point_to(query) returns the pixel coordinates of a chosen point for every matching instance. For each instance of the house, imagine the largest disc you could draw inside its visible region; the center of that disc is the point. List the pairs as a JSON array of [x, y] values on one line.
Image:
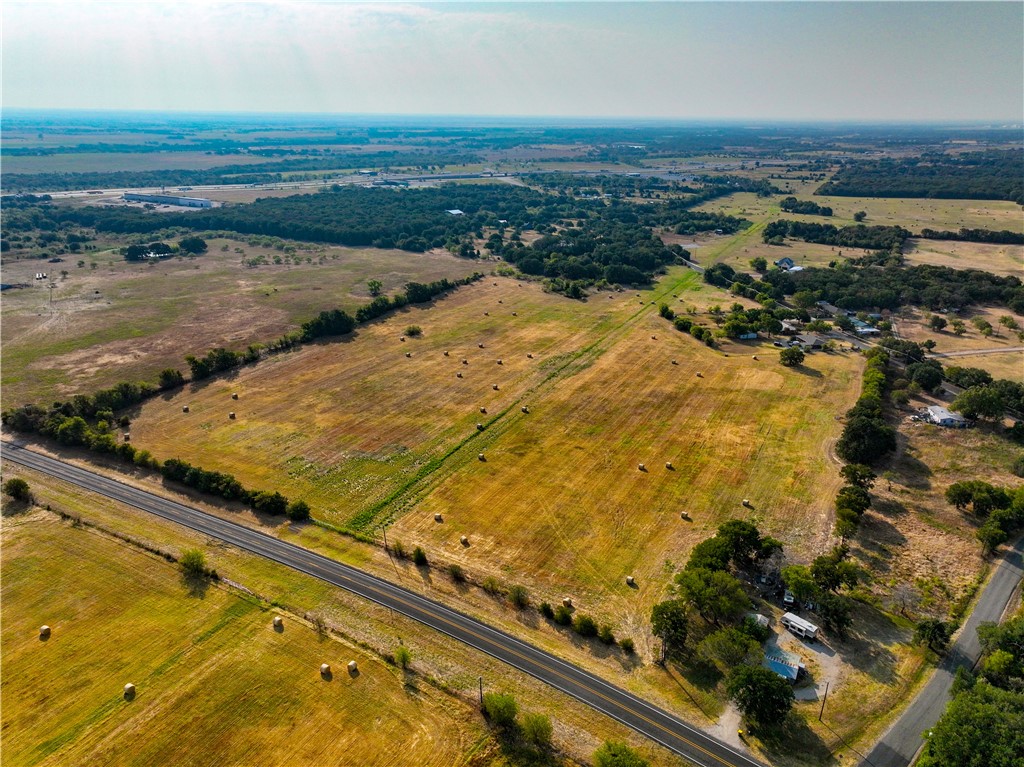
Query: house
[[455, 212], [791, 327], [785, 664], [867, 330], [808, 341], [799, 626], [785, 263], [943, 417], [831, 310]]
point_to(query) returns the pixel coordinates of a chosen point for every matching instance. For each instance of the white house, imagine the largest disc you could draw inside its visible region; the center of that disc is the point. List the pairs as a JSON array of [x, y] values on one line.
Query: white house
[[943, 417]]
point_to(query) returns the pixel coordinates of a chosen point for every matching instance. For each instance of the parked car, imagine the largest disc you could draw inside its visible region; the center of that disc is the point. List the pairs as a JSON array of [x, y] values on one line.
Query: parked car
[[788, 598]]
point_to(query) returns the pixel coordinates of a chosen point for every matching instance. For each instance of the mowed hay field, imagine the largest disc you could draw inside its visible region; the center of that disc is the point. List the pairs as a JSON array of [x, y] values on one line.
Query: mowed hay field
[[126, 321], [216, 685], [345, 423], [998, 259], [561, 504]]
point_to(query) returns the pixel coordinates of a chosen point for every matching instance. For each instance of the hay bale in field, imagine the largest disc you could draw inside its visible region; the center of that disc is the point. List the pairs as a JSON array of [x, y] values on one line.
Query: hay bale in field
[[129, 691], [438, 518], [465, 361], [746, 502], [446, 354], [127, 437], [44, 632], [654, 338], [278, 623], [529, 356], [480, 345], [494, 386], [234, 395], [464, 540], [402, 339], [325, 669], [184, 408], [481, 457], [699, 374], [674, 362], [483, 410], [499, 362], [525, 409], [231, 415], [408, 354], [641, 467], [487, 314], [500, 301], [479, 427], [725, 355], [353, 668], [567, 602], [755, 356], [630, 581], [458, 375], [684, 514], [515, 314], [669, 466]]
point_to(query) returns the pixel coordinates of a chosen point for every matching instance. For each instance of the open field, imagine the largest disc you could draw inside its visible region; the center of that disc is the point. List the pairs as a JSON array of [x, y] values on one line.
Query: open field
[[913, 214], [997, 259], [109, 162], [126, 321], [215, 683]]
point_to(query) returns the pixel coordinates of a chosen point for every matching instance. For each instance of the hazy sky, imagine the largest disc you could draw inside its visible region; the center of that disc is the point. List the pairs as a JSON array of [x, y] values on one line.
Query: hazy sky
[[798, 60]]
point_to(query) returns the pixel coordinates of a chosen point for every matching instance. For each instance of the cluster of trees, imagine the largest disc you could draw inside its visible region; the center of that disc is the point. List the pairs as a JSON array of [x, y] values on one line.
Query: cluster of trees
[[687, 325], [707, 587], [866, 437], [230, 489], [193, 246], [983, 725], [868, 287], [1004, 237], [806, 207], [1002, 510], [605, 183], [988, 175], [856, 236], [534, 731], [820, 584], [853, 498], [742, 284]]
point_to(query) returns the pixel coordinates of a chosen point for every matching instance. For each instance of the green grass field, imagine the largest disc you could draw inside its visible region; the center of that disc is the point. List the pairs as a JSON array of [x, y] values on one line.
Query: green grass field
[[127, 321], [215, 683]]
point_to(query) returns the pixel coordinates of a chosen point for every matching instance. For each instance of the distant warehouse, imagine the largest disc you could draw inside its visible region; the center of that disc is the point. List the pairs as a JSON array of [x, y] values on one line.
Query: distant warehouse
[[169, 199]]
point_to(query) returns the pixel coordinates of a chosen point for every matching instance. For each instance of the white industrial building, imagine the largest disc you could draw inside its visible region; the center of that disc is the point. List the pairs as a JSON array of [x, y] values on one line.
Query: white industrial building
[[169, 199]]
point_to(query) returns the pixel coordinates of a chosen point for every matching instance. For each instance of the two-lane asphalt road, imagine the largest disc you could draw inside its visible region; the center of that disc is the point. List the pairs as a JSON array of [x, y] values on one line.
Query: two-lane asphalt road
[[628, 709], [901, 743]]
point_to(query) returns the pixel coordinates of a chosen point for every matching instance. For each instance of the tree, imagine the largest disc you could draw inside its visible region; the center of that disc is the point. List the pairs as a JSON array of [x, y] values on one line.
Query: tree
[[171, 378], [298, 511], [982, 727], [670, 621], [759, 264], [18, 489], [537, 730], [798, 579], [937, 322], [500, 709], [403, 657], [858, 475], [519, 596], [193, 245], [991, 535], [715, 595], [866, 440], [419, 557], [193, 562], [710, 554], [854, 498], [835, 613], [763, 696], [980, 402], [375, 287], [612, 753], [584, 625], [730, 647], [934, 633], [792, 356], [831, 571], [859, 216], [959, 328], [742, 539]]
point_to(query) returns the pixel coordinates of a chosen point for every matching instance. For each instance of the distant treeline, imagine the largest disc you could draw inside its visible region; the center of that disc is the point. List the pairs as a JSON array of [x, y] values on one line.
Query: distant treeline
[[988, 175], [1004, 237], [605, 183], [806, 207], [856, 236]]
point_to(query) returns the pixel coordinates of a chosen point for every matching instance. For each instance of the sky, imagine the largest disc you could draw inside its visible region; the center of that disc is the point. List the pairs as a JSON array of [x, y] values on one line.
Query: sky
[[840, 61]]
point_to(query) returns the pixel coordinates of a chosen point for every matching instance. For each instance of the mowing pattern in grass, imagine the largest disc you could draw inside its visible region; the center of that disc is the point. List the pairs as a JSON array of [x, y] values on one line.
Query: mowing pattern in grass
[[216, 685]]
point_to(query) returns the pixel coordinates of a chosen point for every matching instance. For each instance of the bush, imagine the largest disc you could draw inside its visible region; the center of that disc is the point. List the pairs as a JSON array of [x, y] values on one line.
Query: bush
[[500, 709], [414, 331], [546, 610], [792, 356], [193, 562], [519, 596], [1018, 466], [455, 571], [18, 489], [584, 625], [298, 511], [605, 634], [403, 657], [627, 645], [399, 550], [563, 615], [419, 557], [755, 630], [537, 730], [491, 585], [614, 754]]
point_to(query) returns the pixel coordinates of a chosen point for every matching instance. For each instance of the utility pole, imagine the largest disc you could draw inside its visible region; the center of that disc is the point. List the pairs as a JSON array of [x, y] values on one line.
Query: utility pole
[[385, 529], [480, 681], [822, 712]]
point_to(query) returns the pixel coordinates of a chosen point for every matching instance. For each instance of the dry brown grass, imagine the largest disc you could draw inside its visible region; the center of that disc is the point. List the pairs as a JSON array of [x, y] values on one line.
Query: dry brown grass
[[998, 259]]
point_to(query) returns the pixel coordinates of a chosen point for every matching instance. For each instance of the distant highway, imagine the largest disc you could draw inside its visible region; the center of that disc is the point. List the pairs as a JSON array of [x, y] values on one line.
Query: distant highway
[[658, 725], [900, 744]]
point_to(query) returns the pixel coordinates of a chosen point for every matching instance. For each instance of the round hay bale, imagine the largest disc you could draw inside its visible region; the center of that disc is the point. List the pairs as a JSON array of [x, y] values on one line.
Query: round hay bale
[[483, 410], [408, 354], [464, 540], [480, 345], [746, 502], [699, 374], [500, 301], [725, 355], [402, 339], [529, 356], [654, 338], [499, 362], [352, 667], [438, 518], [494, 386], [567, 601], [44, 632], [325, 669], [641, 467], [684, 514], [495, 284], [675, 362], [465, 361], [446, 354], [184, 408], [487, 314], [231, 415], [525, 409], [479, 427], [234, 395], [755, 357], [129, 691], [127, 437], [515, 314], [481, 457], [630, 581], [668, 465], [278, 622], [458, 375]]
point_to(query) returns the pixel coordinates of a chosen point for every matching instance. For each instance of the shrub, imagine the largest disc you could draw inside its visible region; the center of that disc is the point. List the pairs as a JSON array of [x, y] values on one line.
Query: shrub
[[18, 489], [605, 634], [298, 511], [792, 356], [419, 557], [627, 645], [546, 610], [755, 630], [414, 331], [399, 550], [491, 585], [584, 625], [519, 596], [1018, 466], [455, 571], [500, 709], [537, 730], [403, 657], [614, 754], [563, 615], [193, 562]]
